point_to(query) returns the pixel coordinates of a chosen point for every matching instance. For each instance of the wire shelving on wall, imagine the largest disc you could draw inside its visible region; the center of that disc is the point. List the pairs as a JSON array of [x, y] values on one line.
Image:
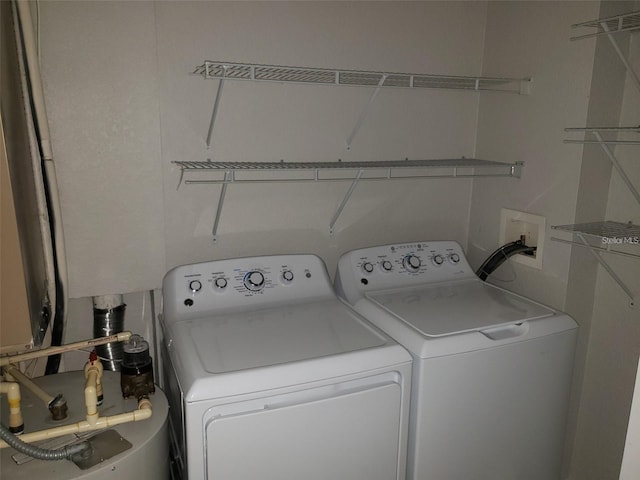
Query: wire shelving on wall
[[607, 236], [225, 173]]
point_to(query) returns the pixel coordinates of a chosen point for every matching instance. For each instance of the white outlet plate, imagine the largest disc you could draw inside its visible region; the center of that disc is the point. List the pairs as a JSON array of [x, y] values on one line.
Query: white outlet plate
[[514, 224]]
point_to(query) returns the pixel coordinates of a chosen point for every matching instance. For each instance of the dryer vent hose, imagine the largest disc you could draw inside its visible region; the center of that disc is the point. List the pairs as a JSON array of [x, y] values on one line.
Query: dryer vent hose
[[42, 453], [498, 257]]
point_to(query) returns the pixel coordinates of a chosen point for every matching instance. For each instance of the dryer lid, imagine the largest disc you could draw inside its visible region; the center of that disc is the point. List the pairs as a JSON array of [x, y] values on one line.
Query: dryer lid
[[438, 310], [251, 339]]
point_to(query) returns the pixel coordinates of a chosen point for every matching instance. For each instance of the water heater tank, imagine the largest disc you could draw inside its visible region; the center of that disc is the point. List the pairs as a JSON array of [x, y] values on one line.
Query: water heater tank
[[143, 446]]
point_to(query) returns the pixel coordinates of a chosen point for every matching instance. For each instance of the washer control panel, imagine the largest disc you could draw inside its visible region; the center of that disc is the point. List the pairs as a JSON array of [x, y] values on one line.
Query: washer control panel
[[211, 287], [400, 265]]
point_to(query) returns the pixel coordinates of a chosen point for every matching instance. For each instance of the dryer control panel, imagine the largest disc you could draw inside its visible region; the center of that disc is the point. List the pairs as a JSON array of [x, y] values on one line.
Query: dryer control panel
[[191, 291], [400, 265]]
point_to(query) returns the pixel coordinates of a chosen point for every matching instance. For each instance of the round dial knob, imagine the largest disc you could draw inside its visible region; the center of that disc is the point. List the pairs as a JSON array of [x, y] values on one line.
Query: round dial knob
[[411, 263], [386, 265], [454, 258], [367, 267], [220, 282], [254, 280], [437, 260], [195, 286], [287, 275]]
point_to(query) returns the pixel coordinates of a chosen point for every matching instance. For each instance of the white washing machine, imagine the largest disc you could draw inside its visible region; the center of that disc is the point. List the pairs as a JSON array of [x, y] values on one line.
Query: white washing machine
[[492, 370], [271, 376]]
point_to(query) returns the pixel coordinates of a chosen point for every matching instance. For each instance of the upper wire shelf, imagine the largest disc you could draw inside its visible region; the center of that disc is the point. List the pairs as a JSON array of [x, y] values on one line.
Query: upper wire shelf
[[358, 78], [626, 22]]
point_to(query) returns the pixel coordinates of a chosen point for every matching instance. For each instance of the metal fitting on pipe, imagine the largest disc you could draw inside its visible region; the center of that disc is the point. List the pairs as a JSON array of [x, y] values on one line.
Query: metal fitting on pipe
[[108, 319], [56, 405]]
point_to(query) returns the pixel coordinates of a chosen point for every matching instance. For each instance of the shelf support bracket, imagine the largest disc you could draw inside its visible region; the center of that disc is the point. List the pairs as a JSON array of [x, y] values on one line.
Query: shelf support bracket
[[609, 270], [216, 104], [365, 112], [223, 191], [624, 59], [617, 166], [346, 198]]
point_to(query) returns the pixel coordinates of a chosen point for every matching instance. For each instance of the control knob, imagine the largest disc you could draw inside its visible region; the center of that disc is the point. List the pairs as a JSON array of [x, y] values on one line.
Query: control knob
[[195, 286], [454, 258], [287, 276], [220, 283], [411, 263], [254, 281], [367, 267], [386, 265], [437, 260]]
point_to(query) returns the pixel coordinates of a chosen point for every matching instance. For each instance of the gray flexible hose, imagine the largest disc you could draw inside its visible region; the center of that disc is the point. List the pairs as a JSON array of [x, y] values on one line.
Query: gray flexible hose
[[41, 453]]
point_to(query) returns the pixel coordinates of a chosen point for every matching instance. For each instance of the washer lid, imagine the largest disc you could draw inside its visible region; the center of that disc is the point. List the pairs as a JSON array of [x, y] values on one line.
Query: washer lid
[[438, 310], [260, 338]]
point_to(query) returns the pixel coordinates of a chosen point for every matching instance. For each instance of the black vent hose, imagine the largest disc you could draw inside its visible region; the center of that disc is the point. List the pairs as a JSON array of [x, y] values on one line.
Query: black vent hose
[[42, 453], [498, 257]]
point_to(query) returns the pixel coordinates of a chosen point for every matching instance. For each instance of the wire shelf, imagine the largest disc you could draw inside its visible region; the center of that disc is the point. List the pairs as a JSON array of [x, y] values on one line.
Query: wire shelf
[[375, 170], [607, 229], [321, 76], [604, 130], [626, 22], [609, 238]]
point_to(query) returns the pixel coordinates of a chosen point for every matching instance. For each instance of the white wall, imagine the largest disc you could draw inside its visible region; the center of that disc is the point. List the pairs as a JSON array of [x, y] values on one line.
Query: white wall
[[269, 122], [565, 183], [99, 73], [531, 129], [614, 342], [123, 106], [631, 460]]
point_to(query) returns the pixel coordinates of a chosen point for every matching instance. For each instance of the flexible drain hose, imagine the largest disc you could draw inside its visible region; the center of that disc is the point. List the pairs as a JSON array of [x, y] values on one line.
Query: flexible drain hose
[[42, 453], [498, 257]]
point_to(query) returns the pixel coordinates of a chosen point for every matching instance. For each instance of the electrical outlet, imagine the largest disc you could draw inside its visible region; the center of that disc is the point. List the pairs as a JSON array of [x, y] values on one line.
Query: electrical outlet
[[515, 225]]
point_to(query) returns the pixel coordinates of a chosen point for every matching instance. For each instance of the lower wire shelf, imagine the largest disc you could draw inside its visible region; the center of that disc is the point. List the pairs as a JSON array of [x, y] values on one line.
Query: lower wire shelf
[[611, 236], [224, 173]]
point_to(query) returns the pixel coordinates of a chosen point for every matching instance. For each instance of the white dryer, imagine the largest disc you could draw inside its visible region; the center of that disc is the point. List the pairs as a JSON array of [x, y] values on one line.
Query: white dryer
[[270, 376], [492, 370]]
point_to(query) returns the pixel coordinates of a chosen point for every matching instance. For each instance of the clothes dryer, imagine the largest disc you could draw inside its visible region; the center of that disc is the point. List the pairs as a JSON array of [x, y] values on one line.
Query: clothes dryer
[[271, 376], [492, 369]]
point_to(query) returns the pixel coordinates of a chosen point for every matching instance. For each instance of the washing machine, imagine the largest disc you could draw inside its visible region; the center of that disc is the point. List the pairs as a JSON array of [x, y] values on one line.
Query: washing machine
[[128, 451], [492, 369], [271, 376]]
